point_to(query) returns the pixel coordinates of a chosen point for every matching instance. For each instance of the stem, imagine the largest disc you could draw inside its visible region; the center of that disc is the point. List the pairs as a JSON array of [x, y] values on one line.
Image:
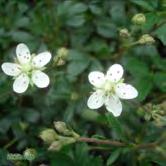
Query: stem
[[148, 145], [97, 141], [117, 143], [10, 143]]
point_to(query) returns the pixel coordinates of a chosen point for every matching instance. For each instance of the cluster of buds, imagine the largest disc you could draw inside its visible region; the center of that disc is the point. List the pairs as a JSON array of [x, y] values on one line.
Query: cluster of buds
[[61, 136], [138, 19], [156, 113], [61, 56]]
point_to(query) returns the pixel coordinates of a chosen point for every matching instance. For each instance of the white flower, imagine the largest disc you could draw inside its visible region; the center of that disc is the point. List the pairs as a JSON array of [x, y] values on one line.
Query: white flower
[[109, 89], [27, 69]]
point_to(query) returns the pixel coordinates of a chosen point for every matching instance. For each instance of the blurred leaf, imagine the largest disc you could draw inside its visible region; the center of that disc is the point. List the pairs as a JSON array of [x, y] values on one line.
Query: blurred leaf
[[148, 5], [117, 12], [115, 125], [22, 22], [78, 63], [21, 36], [31, 115], [3, 157], [144, 86], [160, 81], [75, 21], [5, 124], [106, 28], [61, 159], [136, 67], [113, 157], [151, 19], [161, 33]]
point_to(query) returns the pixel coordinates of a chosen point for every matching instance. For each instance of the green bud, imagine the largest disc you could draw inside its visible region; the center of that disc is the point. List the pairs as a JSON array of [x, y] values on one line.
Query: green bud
[[55, 146], [48, 135], [146, 39], [74, 96], [62, 128], [124, 33], [61, 56], [62, 52], [30, 154], [139, 19]]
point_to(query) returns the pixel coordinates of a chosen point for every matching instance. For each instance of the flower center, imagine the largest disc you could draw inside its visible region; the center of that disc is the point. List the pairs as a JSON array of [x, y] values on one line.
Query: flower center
[[109, 87], [26, 67]]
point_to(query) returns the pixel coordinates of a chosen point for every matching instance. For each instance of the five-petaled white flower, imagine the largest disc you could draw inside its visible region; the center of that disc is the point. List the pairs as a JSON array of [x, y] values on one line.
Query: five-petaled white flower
[[109, 89], [27, 69]]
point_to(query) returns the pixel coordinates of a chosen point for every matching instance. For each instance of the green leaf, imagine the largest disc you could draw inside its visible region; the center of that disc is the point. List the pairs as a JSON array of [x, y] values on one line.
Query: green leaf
[[21, 36], [77, 67], [106, 28], [76, 21], [136, 67], [151, 19], [5, 125], [144, 86], [78, 63], [77, 8], [113, 157], [61, 159], [148, 5], [161, 33], [31, 115], [160, 81], [116, 126]]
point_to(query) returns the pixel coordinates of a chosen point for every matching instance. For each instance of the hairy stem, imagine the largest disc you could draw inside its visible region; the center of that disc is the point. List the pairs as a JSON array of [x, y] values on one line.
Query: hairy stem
[[117, 143], [98, 141]]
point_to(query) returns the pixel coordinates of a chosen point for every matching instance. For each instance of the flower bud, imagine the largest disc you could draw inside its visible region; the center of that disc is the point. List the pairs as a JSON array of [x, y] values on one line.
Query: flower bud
[[139, 19], [55, 146], [74, 96], [124, 33], [62, 52], [61, 56], [30, 154], [146, 39], [48, 135], [62, 128]]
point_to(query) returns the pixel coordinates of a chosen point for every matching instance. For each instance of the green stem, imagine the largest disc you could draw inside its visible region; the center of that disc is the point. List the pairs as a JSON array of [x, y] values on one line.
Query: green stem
[[98, 141], [10, 143], [117, 143]]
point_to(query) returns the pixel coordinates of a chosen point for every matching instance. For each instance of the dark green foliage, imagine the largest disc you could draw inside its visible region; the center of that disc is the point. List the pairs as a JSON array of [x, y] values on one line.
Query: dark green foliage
[[90, 30]]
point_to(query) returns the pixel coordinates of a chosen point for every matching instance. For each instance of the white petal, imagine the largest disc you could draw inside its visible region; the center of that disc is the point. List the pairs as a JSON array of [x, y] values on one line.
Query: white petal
[[41, 59], [11, 69], [115, 73], [96, 100], [114, 105], [21, 83], [126, 91], [23, 53], [40, 79], [96, 78]]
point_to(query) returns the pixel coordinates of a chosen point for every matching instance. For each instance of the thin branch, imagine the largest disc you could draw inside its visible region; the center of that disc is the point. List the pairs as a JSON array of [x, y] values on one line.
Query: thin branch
[[117, 143], [97, 141]]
